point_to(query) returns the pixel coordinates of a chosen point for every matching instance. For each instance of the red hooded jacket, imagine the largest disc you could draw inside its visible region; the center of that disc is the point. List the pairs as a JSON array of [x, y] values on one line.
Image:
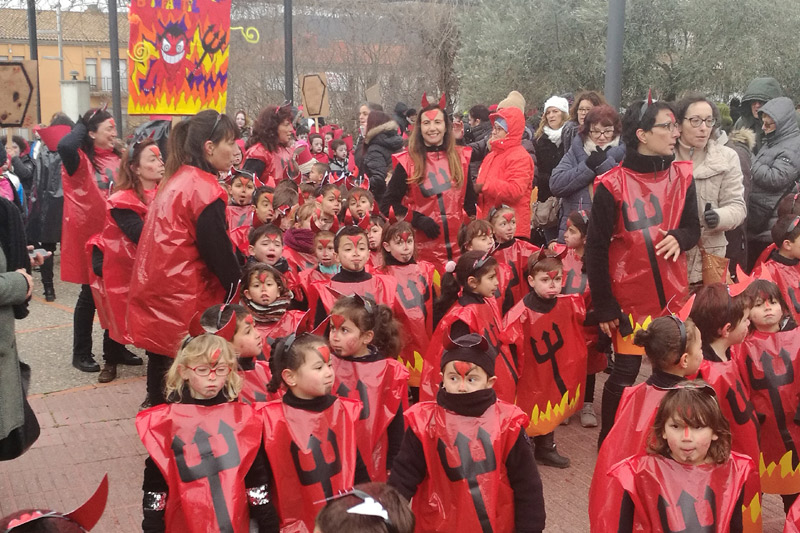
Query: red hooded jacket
[[507, 172]]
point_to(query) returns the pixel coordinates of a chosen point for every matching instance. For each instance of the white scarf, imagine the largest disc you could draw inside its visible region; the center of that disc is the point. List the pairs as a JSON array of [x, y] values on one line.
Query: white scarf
[[554, 135], [589, 145]]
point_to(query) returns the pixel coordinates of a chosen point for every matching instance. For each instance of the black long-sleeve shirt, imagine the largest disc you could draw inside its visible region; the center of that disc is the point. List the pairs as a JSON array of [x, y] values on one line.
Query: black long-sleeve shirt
[[129, 222], [214, 245], [68, 148], [601, 229], [24, 168]]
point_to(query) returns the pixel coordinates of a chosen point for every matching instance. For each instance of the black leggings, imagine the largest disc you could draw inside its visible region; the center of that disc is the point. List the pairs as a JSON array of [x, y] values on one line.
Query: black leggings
[[82, 320], [588, 396], [626, 368], [157, 367]]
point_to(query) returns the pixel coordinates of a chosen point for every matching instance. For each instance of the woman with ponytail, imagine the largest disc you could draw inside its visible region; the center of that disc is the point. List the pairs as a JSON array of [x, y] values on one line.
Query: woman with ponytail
[[185, 261]]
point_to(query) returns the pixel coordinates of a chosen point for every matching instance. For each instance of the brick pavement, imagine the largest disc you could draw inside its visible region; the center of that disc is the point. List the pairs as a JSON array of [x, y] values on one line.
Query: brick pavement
[[89, 430]]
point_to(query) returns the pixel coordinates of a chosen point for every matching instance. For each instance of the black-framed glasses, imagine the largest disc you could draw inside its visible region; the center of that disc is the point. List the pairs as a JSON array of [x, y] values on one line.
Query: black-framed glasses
[[669, 126], [220, 370], [696, 121], [603, 133]]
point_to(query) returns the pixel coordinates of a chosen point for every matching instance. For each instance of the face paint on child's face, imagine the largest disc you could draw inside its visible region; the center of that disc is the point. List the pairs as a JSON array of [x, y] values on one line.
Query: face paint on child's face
[[341, 152], [481, 243], [242, 191], [572, 237], [547, 285], [461, 377], [766, 314], [353, 252], [263, 208], [263, 289], [487, 285], [314, 378], [505, 226], [247, 340], [267, 249], [203, 387], [375, 236], [359, 205], [331, 203], [323, 251], [401, 247], [688, 445], [346, 339]]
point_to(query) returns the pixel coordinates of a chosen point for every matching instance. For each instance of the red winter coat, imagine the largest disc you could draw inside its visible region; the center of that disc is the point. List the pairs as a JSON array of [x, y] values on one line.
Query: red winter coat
[[507, 173], [171, 282]]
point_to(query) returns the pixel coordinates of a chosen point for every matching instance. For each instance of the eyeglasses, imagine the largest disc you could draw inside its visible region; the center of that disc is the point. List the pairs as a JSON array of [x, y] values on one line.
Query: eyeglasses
[[602, 133], [205, 370], [696, 121], [584, 109], [669, 126]]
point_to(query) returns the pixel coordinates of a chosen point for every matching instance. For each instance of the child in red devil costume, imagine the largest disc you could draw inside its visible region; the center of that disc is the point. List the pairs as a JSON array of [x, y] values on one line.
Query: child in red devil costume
[[478, 236], [688, 458], [454, 486], [544, 331], [674, 349], [352, 251], [261, 213], [298, 240], [240, 185], [377, 225], [365, 341], [783, 263], [467, 305], [310, 436], [326, 267], [414, 281], [204, 423], [511, 251], [140, 172]]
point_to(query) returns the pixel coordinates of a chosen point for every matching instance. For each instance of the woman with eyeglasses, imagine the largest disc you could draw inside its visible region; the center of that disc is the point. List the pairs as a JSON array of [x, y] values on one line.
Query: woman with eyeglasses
[[644, 217], [595, 150], [717, 179], [185, 261], [581, 106], [269, 148]]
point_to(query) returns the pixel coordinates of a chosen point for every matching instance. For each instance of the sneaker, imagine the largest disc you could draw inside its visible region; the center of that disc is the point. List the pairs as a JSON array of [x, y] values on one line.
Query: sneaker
[[588, 418], [551, 457], [565, 422], [85, 363], [108, 374]]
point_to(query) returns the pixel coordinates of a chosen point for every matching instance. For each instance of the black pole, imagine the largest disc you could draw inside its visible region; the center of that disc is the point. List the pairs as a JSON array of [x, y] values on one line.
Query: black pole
[[614, 45], [287, 47], [34, 45], [113, 41]]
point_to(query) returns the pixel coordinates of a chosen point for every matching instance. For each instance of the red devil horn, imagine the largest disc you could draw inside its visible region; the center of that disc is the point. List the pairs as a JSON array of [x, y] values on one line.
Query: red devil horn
[[764, 274], [684, 312], [313, 223], [348, 218], [335, 225], [228, 330], [743, 282], [320, 329], [375, 209], [301, 198], [443, 101], [649, 96], [425, 102], [195, 327], [88, 514], [392, 215], [364, 222]]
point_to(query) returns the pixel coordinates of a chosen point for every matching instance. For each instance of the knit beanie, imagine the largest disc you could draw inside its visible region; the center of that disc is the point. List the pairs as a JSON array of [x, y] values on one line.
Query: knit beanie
[[514, 99], [500, 121], [558, 102], [470, 348]]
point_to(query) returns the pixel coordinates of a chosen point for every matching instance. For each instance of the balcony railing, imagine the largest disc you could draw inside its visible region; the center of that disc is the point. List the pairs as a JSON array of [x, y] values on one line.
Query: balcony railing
[[104, 84]]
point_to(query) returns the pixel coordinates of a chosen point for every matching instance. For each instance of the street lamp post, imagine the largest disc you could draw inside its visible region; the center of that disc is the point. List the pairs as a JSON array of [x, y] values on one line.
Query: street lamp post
[[614, 45]]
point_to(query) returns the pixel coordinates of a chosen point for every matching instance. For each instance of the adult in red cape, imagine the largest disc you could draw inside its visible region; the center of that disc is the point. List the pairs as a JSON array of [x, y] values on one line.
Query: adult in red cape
[[430, 179], [792, 524], [644, 218], [90, 165], [185, 261], [506, 175], [269, 148], [140, 172]]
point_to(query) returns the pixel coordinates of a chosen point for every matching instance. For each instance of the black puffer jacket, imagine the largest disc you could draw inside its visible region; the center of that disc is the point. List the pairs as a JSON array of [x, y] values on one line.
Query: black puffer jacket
[[476, 140], [380, 143]]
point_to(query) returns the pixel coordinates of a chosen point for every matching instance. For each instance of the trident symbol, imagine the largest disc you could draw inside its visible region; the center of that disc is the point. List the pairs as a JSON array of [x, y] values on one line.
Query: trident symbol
[[210, 467], [569, 287], [323, 471], [691, 523], [643, 223], [793, 298], [344, 391], [550, 355], [771, 382], [418, 298], [741, 415], [470, 469], [438, 188]]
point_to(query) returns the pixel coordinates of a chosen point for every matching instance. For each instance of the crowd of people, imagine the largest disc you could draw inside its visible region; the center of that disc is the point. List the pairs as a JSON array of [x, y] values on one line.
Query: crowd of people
[[336, 324]]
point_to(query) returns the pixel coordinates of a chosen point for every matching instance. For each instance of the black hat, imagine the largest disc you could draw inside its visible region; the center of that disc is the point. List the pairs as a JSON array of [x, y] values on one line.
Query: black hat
[[472, 348]]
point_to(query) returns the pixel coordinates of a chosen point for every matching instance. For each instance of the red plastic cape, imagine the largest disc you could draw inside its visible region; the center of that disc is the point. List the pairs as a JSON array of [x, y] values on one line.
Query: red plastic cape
[[254, 384], [792, 524], [204, 454], [437, 197], [768, 364], [788, 280], [382, 387], [576, 282], [312, 456], [304, 280], [238, 216], [269, 176], [483, 319], [516, 257], [97, 284], [380, 288], [85, 194], [171, 282], [282, 328], [375, 260], [642, 282], [552, 361], [299, 261], [669, 496], [239, 239], [466, 458], [414, 311], [506, 277]]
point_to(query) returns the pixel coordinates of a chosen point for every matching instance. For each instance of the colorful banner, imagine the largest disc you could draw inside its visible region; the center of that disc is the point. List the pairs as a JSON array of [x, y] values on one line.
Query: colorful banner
[[178, 56]]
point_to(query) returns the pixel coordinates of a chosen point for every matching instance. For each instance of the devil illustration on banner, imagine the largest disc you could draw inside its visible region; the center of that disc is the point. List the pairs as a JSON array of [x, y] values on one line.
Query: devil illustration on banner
[[178, 56]]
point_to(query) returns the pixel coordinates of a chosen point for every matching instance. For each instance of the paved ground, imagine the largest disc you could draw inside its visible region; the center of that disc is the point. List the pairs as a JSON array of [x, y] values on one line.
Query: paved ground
[[87, 430]]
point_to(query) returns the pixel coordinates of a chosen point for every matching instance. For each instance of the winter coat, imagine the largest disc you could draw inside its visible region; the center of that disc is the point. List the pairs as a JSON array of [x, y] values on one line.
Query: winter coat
[[400, 110], [758, 90], [47, 198], [480, 149], [380, 143], [718, 181], [573, 181], [548, 156], [569, 132], [478, 136], [507, 172], [742, 142], [13, 290], [776, 166]]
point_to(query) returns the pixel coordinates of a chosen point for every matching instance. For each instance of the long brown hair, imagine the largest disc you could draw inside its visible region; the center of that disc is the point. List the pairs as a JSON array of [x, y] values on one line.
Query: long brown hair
[[127, 178], [187, 141], [417, 152]]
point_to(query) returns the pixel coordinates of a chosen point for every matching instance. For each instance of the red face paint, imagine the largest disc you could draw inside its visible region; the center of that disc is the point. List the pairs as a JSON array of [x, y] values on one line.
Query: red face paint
[[354, 239], [269, 197], [432, 114], [672, 117], [686, 432], [155, 150], [337, 193], [509, 217], [245, 180], [263, 277], [553, 274], [249, 319], [325, 352], [357, 196], [324, 242], [404, 236], [463, 368], [319, 199], [215, 356], [113, 124], [337, 321]]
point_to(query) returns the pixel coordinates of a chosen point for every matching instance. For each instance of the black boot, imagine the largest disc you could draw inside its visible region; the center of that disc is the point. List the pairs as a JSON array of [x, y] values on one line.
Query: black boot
[[47, 277], [49, 292], [115, 353], [85, 363], [545, 452]]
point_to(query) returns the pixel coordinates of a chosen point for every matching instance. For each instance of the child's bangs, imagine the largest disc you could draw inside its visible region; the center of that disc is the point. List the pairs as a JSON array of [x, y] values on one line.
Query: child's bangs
[[692, 409]]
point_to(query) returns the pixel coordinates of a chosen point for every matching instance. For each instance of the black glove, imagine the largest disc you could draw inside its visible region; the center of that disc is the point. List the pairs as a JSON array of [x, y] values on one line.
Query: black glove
[[426, 225], [596, 158], [711, 217]]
